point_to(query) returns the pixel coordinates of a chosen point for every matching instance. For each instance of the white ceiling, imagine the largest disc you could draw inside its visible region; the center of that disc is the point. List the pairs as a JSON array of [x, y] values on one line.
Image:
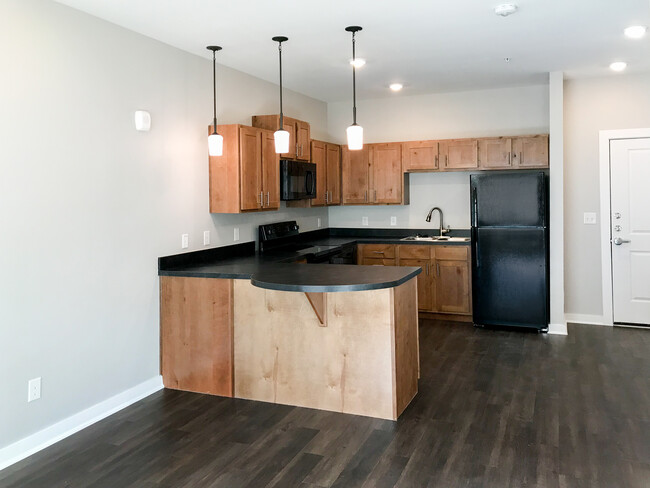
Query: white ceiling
[[429, 45]]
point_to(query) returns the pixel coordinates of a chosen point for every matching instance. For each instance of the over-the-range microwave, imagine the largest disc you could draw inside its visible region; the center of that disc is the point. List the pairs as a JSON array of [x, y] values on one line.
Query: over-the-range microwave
[[297, 180]]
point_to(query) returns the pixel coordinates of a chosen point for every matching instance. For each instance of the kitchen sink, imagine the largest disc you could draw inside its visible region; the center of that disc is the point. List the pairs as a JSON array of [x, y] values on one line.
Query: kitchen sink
[[436, 239]]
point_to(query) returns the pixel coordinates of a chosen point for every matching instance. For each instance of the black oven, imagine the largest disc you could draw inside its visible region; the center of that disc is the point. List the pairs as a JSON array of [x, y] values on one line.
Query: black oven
[[297, 180]]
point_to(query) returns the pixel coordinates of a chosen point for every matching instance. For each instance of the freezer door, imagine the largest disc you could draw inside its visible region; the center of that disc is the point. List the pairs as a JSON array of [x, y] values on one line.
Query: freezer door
[[508, 199], [509, 271]]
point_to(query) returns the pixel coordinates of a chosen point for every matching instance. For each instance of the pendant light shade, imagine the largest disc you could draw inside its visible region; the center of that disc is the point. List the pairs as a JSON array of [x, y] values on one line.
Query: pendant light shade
[[281, 136], [355, 131], [215, 140], [355, 137], [281, 141]]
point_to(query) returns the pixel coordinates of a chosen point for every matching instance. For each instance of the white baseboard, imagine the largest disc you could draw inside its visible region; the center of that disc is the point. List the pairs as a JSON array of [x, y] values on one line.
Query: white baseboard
[[581, 318], [29, 445], [558, 329]]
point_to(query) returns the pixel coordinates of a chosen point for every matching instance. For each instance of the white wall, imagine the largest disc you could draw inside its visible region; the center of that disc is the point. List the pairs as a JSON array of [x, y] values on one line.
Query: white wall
[[87, 204], [592, 105], [481, 113]]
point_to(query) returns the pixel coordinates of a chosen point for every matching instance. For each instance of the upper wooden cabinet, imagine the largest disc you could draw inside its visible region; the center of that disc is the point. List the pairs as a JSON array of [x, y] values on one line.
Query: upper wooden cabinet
[[355, 171], [319, 158], [530, 151], [495, 153], [420, 155], [333, 186], [373, 175], [299, 134], [246, 177], [458, 154]]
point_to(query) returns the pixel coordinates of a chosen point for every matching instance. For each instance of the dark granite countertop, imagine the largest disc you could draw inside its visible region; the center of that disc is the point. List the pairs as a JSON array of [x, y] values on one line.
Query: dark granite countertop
[[279, 271]]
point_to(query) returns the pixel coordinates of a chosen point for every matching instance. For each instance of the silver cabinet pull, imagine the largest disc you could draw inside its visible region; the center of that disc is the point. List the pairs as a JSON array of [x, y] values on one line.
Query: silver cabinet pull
[[378, 252], [618, 241], [427, 269], [438, 268], [365, 198], [509, 158], [261, 199], [268, 198]]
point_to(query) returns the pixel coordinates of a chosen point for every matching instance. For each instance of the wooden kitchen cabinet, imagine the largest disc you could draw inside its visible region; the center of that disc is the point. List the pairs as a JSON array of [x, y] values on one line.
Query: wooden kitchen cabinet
[[420, 156], [373, 175], [419, 256], [458, 154], [495, 153], [451, 273], [299, 134], [246, 177], [530, 151], [319, 158], [333, 187]]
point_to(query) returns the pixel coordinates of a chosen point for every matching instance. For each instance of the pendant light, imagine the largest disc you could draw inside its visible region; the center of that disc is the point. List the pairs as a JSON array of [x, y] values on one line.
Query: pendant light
[[281, 136], [215, 140], [355, 131]]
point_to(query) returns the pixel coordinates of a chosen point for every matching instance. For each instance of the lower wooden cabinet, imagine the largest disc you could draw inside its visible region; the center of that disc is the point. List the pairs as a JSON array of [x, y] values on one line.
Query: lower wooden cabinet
[[444, 284]]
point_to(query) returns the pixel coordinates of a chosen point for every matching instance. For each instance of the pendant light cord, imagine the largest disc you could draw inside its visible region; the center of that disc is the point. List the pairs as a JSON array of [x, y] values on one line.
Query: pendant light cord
[[214, 88], [354, 83], [281, 114]]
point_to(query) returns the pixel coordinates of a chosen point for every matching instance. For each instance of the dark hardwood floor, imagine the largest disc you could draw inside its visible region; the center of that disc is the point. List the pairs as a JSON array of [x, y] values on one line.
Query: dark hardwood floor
[[495, 409]]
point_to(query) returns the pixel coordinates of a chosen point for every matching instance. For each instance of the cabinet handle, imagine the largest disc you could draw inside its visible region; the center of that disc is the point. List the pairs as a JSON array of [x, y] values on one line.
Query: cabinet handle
[[446, 160], [509, 158], [374, 194], [327, 195], [268, 198], [297, 149], [378, 252], [427, 269], [438, 268], [436, 159], [365, 198], [521, 158]]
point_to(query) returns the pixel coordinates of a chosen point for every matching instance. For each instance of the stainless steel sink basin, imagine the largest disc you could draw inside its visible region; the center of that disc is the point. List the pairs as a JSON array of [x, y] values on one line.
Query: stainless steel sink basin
[[436, 239]]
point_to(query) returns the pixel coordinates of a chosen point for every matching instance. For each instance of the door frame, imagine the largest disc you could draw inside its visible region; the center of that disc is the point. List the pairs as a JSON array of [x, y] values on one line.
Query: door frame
[[606, 136]]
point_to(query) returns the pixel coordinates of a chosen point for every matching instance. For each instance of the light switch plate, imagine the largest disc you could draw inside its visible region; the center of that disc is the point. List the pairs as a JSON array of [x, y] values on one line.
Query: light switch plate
[[34, 389], [590, 218], [236, 234], [206, 237], [319, 222], [364, 220], [185, 241], [393, 221]]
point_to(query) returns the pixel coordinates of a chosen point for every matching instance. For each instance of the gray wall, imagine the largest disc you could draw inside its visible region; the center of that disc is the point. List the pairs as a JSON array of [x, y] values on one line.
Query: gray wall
[[87, 204], [480, 113], [592, 105]]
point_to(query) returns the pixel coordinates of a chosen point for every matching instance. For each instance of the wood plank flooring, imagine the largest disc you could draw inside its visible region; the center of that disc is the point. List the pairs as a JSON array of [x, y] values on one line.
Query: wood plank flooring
[[495, 409]]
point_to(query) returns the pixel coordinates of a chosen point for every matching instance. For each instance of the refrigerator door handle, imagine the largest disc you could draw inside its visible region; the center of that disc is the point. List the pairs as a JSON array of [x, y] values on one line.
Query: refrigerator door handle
[[476, 251], [475, 205]]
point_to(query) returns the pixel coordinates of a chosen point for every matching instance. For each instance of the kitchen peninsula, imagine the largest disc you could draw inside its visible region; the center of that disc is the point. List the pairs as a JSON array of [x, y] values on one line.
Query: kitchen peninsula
[[332, 337]]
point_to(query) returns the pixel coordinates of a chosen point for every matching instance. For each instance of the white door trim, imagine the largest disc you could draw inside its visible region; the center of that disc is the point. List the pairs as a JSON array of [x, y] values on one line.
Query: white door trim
[[605, 212]]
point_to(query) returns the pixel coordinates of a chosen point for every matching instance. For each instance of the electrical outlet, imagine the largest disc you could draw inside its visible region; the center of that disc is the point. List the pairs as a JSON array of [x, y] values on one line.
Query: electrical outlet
[[590, 217], [319, 222], [393, 221], [34, 389], [364, 220], [206, 237], [235, 236], [185, 241]]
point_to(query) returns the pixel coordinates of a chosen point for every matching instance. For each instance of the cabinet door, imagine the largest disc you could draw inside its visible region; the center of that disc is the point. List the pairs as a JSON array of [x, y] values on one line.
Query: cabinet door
[[420, 156], [303, 138], [424, 281], [451, 287], [270, 172], [355, 173], [459, 154], [495, 153], [531, 152], [386, 173], [319, 158], [250, 161], [333, 174]]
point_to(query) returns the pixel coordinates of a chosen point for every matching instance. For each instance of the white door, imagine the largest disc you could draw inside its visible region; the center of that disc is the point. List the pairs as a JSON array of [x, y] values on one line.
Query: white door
[[630, 229]]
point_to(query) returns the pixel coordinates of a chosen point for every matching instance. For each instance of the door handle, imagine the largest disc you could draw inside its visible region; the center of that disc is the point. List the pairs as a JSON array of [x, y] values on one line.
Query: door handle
[[618, 241], [438, 268], [268, 198], [261, 199]]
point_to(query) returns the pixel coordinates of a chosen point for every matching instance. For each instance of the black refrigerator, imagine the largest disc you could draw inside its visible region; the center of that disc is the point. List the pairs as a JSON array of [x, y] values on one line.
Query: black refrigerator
[[510, 249]]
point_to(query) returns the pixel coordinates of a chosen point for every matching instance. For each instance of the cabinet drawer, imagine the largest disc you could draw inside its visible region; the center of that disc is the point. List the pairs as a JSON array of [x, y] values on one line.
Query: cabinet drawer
[[455, 253], [377, 250], [407, 251], [377, 262]]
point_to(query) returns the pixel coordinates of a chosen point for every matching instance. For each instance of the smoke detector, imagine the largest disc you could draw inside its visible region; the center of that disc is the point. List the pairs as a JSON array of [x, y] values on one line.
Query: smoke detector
[[505, 9]]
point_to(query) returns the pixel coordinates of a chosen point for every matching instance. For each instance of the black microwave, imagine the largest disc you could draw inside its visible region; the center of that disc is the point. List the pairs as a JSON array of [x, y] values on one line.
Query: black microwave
[[297, 180]]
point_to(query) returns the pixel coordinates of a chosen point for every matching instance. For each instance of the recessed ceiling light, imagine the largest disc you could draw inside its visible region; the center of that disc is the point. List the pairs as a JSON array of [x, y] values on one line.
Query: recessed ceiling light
[[635, 31], [505, 9], [396, 86], [358, 62], [618, 66]]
